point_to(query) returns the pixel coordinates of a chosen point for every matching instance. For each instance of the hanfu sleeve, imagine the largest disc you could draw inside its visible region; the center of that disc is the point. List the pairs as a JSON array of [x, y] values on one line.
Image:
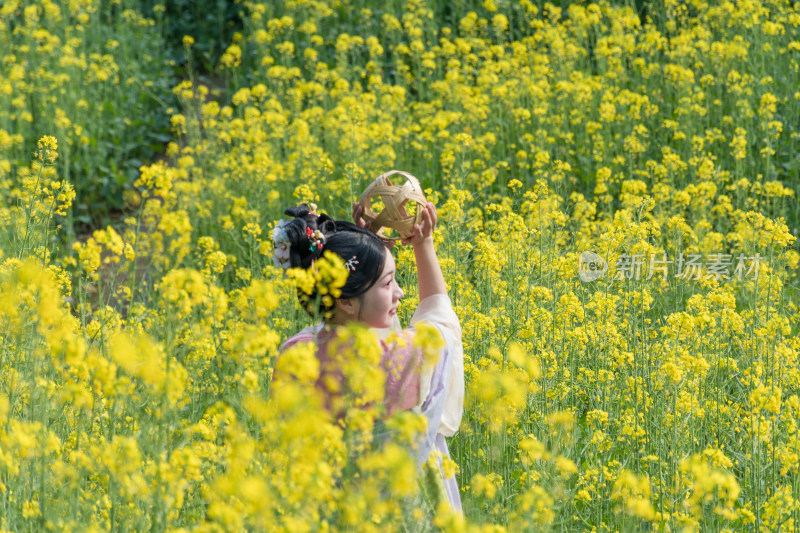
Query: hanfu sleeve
[[442, 384]]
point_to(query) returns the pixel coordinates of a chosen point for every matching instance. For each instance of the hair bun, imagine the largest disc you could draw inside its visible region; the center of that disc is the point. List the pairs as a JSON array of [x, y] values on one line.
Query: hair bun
[[306, 234], [308, 214], [301, 211], [326, 225]]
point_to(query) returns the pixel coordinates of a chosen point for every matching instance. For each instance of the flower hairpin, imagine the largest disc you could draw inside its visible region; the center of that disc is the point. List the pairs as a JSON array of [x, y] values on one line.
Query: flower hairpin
[[282, 245], [351, 263], [313, 208], [316, 238]]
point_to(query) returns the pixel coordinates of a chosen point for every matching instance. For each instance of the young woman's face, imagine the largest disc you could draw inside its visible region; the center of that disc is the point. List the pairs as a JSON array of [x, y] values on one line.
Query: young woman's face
[[378, 305]]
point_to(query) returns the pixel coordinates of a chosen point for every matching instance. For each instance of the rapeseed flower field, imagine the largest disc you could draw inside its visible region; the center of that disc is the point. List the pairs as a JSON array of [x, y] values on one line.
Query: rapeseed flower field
[[616, 185]]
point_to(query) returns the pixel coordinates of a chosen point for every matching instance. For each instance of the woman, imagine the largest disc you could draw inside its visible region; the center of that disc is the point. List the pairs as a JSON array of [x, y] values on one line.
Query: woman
[[371, 297]]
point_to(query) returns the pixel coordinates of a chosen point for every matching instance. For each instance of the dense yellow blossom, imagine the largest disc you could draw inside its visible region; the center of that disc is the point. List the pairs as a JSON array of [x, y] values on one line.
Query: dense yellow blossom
[[137, 361]]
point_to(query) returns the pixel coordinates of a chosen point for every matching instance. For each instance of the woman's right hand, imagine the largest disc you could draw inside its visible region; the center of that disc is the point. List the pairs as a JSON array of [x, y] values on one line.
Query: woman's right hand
[[429, 274], [423, 230]]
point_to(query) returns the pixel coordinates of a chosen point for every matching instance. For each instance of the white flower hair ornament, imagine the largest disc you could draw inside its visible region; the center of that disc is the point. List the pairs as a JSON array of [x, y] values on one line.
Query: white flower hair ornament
[[282, 245]]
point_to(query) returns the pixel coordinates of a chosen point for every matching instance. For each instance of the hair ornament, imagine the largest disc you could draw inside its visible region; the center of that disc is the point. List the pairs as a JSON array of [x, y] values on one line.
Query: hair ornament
[[351, 263], [313, 209], [282, 245], [316, 238]]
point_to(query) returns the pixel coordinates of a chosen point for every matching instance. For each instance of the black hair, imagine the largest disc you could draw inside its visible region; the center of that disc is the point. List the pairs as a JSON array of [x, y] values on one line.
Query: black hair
[[343, 238]]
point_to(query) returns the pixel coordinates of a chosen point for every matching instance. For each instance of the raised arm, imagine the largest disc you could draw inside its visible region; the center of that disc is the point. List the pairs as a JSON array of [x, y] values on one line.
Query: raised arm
[[429, 273]]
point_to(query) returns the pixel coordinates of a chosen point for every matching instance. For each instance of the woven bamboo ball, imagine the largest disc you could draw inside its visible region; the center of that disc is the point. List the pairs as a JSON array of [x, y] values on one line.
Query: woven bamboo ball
[[394, 198]]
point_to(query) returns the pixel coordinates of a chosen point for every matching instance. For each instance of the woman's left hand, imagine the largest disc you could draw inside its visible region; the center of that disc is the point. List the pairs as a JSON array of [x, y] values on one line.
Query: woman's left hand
[[358, 216]]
